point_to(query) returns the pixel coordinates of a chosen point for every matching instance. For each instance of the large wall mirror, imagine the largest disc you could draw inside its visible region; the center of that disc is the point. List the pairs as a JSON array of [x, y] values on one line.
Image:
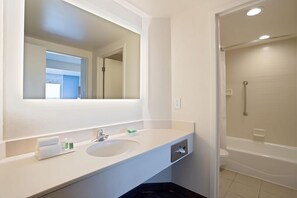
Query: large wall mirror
[[70, 53]]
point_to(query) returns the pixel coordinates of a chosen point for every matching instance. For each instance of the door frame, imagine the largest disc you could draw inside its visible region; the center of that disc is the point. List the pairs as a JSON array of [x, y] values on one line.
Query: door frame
[[100, 58], [215, 80]]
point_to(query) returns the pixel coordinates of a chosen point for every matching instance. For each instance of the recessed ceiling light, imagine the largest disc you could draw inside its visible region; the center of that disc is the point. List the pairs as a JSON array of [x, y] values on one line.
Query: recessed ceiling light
[[254, 11], [264, 37]]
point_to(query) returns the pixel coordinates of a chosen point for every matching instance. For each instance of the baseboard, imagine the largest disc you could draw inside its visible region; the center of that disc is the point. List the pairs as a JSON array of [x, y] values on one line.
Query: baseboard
[[170, 189]]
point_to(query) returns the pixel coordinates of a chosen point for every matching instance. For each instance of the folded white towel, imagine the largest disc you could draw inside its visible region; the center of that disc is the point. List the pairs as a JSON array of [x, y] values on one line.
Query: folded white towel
[[48, 151], [47, 141]]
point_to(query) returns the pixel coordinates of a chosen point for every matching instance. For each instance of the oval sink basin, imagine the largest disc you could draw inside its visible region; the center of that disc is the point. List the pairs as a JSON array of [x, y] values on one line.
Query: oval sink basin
[[110, 148]]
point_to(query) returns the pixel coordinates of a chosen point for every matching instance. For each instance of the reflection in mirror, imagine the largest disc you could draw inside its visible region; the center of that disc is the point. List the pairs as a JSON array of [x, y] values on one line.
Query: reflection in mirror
[[72, 54], [64, 79], [112, 72]]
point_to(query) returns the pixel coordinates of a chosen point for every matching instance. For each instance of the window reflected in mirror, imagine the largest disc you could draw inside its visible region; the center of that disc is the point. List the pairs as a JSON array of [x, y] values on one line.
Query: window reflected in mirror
[[64, 76]]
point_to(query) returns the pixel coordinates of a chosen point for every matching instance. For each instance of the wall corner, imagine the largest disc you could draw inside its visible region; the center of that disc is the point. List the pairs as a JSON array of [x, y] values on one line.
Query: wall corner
[[2, 150]]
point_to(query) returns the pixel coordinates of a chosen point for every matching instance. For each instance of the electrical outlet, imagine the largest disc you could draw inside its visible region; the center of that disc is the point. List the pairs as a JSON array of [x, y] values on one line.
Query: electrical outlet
[[177, 103]]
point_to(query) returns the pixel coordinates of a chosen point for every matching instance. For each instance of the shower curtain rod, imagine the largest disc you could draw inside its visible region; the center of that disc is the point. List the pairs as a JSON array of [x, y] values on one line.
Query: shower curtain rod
[[256, 41]]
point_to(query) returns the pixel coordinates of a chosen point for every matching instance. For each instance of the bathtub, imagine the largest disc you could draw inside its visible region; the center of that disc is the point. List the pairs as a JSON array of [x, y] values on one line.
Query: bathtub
[[270, 162]]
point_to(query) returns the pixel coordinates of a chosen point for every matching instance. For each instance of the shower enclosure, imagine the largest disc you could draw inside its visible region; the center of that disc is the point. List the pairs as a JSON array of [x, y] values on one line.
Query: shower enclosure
[[268, 102], [260, 93]]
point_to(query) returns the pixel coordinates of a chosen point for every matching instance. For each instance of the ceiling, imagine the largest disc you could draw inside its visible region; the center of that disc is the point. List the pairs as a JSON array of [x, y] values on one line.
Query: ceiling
[[162, 8], [59, 22], [118, 56], [277, 19]]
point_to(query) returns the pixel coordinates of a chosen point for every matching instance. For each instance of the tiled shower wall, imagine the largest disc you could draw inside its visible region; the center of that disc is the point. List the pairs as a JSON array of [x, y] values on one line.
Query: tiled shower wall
[[270, 70]]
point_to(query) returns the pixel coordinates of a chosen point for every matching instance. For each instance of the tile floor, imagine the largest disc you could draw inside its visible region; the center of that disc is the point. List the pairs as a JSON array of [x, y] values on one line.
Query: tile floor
[[235, 185]]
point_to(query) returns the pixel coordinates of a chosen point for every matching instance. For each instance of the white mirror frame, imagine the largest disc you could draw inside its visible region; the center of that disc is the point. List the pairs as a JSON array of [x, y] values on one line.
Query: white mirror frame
[[25, 118]]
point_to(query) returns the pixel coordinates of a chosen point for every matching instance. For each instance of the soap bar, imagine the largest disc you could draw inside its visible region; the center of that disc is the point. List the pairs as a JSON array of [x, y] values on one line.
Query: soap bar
[[131, 130]]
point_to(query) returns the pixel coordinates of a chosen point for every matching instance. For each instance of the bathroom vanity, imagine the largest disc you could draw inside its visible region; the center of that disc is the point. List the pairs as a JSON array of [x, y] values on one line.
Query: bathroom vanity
[[83, 173]]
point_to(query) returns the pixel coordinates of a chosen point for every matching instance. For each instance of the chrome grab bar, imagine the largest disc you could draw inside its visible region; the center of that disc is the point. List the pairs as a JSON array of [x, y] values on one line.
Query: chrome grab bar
[[245, 83]]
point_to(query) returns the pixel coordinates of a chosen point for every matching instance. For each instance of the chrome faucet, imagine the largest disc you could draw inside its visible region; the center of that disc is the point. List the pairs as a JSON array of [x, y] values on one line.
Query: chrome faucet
[[100, 135]]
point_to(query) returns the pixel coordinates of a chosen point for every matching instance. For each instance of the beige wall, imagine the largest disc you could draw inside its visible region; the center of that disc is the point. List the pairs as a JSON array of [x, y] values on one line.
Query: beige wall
[[193, 79], [34, 71], [159, 70], [2, 145], [270, 70], [1, 67]]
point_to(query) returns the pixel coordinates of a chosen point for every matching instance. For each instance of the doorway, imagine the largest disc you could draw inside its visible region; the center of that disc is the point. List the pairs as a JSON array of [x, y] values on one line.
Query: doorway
[[258, 100], [112, 75]]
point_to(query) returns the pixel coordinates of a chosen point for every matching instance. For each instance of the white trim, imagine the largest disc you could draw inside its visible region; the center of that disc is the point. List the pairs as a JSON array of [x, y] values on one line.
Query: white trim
[[1, 69], [132, 8], [124, 64], [144, 67], [214, 148], [103, 13], [99, 64], [214, 133]]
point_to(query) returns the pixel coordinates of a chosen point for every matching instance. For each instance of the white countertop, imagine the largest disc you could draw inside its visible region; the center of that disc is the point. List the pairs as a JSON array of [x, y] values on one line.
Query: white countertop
[[25, 176]]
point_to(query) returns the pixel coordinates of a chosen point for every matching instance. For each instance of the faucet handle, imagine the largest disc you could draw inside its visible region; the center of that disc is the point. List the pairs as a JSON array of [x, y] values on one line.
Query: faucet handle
[[100, 131]]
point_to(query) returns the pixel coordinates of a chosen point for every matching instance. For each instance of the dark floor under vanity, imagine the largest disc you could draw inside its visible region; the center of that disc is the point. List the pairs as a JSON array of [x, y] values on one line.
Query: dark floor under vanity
[[160, 190]]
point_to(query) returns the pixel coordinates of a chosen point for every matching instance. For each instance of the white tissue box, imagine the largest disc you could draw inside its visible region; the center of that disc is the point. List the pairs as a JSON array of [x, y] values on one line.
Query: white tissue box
[[48, 151], [48, 141]]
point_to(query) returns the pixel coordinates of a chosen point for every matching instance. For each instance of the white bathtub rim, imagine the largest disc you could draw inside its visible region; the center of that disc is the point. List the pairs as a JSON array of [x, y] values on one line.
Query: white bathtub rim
[[263, 155], [262, 144]]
